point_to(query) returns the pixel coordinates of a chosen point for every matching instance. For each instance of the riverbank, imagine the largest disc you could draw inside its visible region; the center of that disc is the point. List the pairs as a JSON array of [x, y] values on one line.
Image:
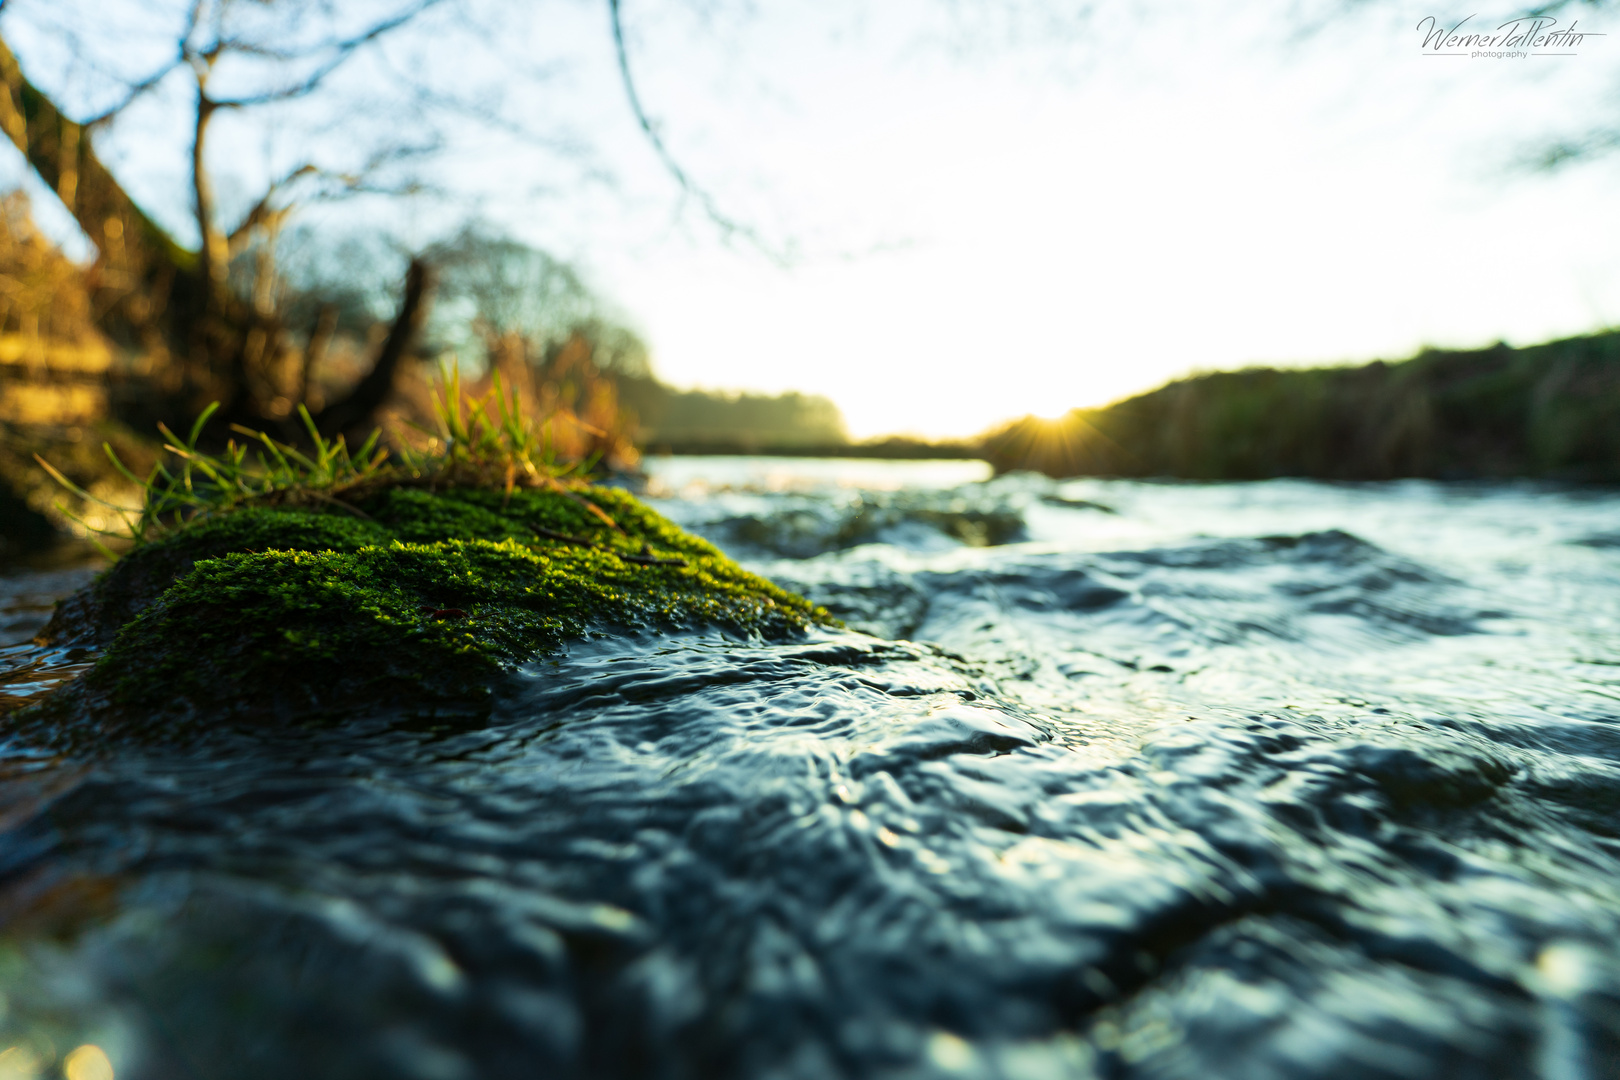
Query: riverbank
[[1547, 411]]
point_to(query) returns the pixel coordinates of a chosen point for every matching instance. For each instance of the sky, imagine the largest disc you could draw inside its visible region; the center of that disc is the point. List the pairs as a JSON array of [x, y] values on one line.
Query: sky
[[1001, 209]]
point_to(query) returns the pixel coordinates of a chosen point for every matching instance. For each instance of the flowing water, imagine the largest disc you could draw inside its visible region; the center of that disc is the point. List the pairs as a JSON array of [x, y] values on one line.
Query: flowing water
[[1105, 779]]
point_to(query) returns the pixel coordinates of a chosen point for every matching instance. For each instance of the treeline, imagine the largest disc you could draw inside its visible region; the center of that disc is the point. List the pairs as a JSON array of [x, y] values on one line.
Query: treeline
[[1550, 410], [893, 448], [671, 419]]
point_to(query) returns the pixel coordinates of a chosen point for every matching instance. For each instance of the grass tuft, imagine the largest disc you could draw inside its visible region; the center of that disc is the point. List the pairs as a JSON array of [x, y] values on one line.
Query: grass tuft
[[484, 443]]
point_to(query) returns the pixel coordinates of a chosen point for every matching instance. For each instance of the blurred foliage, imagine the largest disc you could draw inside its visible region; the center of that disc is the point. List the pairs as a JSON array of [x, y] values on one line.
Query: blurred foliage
[[1550, 410], [493, 288], [31, 514], [356, 275], [708, 421], [45, 304], [42, 292]]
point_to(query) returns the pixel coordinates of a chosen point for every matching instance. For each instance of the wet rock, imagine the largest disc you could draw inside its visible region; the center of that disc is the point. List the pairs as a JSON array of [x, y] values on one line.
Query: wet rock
[[421, 603], [907, 519]]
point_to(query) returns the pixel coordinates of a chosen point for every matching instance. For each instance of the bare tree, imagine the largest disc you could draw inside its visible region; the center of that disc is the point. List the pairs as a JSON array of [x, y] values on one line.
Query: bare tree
[[207, 339]]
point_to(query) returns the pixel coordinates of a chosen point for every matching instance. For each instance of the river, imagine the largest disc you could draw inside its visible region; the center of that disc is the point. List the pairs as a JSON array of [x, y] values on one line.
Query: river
[[1104, 779]]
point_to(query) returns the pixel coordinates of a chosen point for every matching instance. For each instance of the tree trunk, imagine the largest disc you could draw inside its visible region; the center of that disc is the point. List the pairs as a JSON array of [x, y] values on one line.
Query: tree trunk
[[213, 255], [351, 415], [142, 284]]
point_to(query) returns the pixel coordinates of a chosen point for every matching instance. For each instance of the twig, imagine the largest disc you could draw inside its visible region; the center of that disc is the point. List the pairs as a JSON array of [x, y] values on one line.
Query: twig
[[652, 560], [647, 558], [550, 534], [556, 485], [323, 497], [730, 228]]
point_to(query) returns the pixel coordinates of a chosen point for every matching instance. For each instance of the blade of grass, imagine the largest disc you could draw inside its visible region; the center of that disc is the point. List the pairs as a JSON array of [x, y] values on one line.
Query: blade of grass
[[196, 428]]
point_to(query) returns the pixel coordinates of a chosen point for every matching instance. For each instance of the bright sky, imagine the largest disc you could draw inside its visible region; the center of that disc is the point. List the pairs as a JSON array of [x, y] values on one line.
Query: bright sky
[[1198, 193], [998, 228]]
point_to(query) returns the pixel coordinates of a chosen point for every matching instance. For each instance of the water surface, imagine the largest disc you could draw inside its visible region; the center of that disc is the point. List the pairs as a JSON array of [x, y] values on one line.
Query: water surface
[[1105, 779]]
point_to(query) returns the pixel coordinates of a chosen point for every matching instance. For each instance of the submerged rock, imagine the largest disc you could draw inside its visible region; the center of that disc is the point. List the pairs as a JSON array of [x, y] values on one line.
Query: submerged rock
[[413, 598], [915, 520]]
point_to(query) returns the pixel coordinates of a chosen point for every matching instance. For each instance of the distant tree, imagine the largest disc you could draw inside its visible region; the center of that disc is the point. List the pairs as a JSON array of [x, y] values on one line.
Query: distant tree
[[493, 288]]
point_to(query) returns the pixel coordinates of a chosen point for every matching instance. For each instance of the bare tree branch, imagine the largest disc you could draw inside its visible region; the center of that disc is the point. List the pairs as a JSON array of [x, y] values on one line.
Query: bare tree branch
[[263, 212], [343, 51], [135, 91], [729, 226], [1566, 152], [143, 86], [433, 97]]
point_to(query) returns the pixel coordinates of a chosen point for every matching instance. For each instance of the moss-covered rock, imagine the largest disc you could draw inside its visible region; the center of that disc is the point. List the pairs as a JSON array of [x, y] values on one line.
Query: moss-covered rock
[[420, 603]]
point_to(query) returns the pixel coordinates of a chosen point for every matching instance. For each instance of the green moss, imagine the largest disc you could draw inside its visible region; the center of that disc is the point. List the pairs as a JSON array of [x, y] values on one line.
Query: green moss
[[422, 603], [140, 577]]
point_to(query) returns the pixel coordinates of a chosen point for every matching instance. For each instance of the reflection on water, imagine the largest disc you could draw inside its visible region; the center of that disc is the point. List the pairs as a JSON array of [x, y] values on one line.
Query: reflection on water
[[699, 476], [1276, 780], [29, 593]]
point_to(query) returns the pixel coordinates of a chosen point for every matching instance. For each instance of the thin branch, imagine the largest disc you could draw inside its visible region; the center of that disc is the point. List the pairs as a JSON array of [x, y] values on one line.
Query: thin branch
[[1569, 151], [342, 50], [135, 91], [729, 226], [262, 214], [431, 97], [182, 55], [551, 534]]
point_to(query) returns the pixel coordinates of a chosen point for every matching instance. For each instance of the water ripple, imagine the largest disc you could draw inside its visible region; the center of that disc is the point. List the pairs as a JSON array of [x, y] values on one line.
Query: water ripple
[[1339, 800]]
